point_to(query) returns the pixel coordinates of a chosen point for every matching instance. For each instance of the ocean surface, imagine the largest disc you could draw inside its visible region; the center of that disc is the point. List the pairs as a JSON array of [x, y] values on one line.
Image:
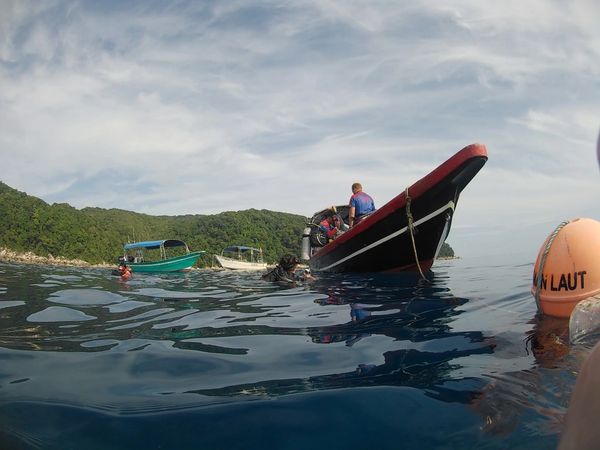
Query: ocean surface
[[223, 360]]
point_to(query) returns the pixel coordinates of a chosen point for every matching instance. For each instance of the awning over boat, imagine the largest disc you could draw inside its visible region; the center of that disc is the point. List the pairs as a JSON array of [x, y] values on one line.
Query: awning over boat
[[240, 248], [155, 244]]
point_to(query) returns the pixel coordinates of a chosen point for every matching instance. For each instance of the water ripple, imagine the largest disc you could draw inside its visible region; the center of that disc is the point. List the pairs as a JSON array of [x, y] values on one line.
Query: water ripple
[[59, 314], [466, 343]]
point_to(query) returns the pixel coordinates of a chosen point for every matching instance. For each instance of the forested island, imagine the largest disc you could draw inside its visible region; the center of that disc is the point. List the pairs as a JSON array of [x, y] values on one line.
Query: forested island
[[97, 235]]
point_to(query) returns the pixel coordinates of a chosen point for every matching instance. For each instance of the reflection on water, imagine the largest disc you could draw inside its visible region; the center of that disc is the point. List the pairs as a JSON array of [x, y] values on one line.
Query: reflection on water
[[415, 316], [464, 347]]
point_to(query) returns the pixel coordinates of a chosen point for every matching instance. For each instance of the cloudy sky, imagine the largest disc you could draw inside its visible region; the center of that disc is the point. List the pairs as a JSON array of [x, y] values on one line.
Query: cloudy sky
[[198, 107]]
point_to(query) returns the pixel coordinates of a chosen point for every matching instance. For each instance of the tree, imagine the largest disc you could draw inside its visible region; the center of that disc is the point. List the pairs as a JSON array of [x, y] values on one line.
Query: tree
[[97, 235]]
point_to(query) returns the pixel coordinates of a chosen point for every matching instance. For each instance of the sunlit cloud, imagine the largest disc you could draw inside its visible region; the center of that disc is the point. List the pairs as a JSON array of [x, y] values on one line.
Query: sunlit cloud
[[195, 108]]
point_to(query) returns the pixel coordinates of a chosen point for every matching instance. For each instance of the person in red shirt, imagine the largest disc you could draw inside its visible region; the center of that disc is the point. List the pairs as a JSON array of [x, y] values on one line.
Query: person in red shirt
[[330, 226]]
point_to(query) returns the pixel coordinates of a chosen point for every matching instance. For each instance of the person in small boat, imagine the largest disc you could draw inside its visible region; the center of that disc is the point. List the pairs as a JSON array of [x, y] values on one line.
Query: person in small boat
[[361, 204], [330, 226], [286, 271]]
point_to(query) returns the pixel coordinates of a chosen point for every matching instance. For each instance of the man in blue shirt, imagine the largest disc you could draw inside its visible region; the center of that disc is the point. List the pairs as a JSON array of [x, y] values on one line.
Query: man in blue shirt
[[361, 204]]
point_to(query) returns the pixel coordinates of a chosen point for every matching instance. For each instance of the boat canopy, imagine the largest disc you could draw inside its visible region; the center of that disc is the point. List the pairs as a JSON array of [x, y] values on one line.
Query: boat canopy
[[240, 248], [165, 243]]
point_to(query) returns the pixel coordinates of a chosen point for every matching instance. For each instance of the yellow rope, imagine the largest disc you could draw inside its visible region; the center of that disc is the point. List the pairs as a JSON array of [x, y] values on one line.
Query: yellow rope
[[411, 227]]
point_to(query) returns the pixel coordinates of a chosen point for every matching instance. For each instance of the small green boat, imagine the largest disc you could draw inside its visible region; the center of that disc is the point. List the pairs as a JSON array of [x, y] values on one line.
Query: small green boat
[[136, 253]]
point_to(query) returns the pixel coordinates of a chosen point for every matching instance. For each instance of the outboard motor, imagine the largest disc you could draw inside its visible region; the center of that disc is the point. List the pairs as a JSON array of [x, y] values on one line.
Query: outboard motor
[[305, 253]]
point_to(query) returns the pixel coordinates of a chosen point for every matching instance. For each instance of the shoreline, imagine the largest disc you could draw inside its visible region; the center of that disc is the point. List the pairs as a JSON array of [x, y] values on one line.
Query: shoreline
[[11, 256]]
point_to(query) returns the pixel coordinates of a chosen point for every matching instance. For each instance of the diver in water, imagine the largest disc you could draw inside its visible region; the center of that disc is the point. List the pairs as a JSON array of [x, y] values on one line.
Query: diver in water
[[286, 271], [124, 271]]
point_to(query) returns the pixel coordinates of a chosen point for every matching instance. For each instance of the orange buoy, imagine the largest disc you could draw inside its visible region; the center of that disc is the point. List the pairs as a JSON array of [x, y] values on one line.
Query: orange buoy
[[567, 269]]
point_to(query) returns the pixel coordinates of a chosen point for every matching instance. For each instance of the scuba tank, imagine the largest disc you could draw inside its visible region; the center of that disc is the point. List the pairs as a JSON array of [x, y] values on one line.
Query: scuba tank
[[305, 252]]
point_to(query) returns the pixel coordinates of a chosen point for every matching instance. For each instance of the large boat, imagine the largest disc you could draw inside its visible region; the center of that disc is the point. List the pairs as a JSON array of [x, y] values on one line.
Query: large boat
[[239, 257], [407, 233], [137, 256]]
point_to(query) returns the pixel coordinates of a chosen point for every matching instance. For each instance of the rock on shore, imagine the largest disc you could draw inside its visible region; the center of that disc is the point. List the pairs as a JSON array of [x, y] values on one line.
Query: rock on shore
[[7, 255]]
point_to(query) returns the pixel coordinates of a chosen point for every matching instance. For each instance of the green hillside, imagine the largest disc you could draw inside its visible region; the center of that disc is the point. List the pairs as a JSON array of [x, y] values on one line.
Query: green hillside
[[97, 235]]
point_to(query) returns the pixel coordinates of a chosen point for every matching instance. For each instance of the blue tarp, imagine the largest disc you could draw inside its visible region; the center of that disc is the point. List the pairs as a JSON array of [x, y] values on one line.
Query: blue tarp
[[155, 244]]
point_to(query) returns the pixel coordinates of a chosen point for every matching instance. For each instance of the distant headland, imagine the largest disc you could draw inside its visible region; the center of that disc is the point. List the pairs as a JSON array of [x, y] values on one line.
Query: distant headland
[[33, 231]]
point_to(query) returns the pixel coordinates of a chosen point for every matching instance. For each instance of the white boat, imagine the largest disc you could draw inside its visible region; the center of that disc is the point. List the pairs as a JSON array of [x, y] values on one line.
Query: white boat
[[239, 257]]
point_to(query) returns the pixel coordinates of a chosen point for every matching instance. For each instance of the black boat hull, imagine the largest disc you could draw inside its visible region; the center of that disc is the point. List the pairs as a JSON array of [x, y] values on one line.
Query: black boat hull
[[383, 241]]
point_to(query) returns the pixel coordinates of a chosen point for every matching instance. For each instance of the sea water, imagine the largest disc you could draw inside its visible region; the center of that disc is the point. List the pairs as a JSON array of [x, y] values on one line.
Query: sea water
[[223, 360]]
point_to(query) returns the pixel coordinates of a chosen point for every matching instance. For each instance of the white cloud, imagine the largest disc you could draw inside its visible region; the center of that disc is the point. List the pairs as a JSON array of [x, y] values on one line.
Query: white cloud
[[198, 108]]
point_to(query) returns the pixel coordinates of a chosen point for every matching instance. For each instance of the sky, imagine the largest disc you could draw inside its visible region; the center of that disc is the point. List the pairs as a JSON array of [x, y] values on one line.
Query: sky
[[198, 107]]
